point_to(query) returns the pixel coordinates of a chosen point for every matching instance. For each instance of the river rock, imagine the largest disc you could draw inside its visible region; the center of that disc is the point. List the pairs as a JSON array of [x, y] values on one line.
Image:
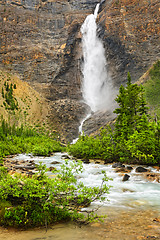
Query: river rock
[[65, 156], [118, 165], [24, 167], [55, 162], [152, 177], [141, 169], [51, 168], [87, 161], [129, 168], [121, 170], [125, 177]]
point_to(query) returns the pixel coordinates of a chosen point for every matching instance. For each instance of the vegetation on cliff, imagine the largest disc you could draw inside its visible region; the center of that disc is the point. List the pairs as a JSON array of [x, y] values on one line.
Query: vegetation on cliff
[[134, 138], [21, 104], [152, 90]]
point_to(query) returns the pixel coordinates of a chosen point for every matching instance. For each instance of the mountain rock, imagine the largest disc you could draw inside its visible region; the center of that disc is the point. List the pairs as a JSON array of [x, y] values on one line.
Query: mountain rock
[[130, 31], [40, 41]]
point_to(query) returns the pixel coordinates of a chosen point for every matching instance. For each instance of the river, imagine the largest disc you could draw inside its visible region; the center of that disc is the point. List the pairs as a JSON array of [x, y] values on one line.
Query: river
[[132, 208]]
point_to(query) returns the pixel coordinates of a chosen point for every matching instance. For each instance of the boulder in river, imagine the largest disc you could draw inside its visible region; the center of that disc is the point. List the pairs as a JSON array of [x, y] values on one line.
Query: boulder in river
[[153, 177], [55, 162], [125, 177], [87, 161], [65, 156], [118, 165], [129, 168], [52, 168], [121, 170], [141, 169], [25, 167]]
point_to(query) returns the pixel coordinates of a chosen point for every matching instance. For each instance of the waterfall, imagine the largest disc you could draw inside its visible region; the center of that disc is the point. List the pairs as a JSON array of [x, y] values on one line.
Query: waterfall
[[80, 127], [96, 84]]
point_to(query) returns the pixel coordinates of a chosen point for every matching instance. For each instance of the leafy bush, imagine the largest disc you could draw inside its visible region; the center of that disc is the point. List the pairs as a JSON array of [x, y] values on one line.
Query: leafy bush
[[40, 200]]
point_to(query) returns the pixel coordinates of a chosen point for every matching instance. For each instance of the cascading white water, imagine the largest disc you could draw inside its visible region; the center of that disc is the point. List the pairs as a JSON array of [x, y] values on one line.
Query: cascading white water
[[135, 193], [96, 86]]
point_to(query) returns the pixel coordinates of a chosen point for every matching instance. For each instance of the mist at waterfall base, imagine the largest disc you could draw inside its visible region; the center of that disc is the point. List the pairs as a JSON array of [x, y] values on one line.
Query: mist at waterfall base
[[96, 85]]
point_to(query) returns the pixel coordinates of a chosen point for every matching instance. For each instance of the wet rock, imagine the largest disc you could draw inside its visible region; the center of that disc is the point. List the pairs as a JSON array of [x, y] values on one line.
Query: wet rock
[[65, 156], [30, 155], [21, 162], [157, 168], [153, 177], [118, 165], [87, 161], [129, 168], [127, 190], [31, 161], [55, 162], [51, 168], [25, 167], [106, 161], [141, 169], [156, 219], [99, 162], [125, 177], [121, 170]]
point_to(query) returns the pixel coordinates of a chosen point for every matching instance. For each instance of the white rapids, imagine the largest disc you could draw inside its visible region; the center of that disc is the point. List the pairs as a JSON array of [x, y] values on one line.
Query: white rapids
[[137, 192]]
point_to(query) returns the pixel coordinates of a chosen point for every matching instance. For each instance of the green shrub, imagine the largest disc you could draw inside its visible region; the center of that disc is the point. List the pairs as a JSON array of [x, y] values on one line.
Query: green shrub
[[40, 200]]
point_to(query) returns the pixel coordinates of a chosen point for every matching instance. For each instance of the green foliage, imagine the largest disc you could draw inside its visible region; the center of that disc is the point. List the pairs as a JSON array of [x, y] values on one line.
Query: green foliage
[[152, 89], [134, 139], [40, 200], [132, 106], [22, 139]]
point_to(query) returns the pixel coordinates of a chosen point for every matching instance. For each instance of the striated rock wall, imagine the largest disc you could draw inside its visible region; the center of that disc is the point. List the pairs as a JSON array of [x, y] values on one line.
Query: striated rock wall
[[41, 42], [130, 30]]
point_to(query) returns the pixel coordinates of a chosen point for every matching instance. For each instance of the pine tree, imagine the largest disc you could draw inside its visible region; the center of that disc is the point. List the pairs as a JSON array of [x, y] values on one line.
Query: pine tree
[[132, 106]]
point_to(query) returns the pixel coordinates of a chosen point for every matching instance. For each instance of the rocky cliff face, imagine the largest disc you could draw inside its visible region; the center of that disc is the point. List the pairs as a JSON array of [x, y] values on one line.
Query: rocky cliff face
[[130, 30], [41, 42]]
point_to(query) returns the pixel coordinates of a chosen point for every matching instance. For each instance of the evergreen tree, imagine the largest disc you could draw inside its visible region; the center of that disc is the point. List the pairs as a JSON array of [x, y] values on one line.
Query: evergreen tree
[[132, 106]]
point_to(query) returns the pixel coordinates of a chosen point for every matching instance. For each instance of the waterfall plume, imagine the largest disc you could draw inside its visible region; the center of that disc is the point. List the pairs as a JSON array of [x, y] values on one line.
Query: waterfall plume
[[96, 84]]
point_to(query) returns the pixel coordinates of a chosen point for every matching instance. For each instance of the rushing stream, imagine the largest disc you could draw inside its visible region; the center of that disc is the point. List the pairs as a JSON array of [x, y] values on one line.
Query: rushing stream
[[132, 212], [137, 192]]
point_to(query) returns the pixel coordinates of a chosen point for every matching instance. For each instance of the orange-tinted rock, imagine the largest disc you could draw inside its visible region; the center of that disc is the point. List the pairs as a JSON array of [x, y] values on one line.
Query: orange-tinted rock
[[153, 176]]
